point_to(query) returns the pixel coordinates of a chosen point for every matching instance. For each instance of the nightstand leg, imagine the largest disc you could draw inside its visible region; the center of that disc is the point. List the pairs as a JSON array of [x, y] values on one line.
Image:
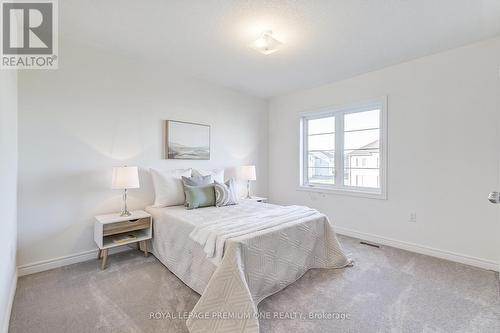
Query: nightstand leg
[[145, 245], [104, 258], [99, 254]]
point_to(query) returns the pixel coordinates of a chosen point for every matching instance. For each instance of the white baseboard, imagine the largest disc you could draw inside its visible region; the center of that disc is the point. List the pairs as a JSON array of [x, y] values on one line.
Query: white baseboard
[[456, 257], [10, 302], [45, 265]]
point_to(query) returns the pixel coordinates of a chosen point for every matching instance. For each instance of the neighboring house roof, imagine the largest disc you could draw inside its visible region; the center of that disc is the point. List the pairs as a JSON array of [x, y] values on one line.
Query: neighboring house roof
[[323, 154], [366, 150]]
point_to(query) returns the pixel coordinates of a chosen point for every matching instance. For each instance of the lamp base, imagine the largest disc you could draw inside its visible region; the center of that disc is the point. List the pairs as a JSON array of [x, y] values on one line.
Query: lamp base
[[125, 213], [248, 191]]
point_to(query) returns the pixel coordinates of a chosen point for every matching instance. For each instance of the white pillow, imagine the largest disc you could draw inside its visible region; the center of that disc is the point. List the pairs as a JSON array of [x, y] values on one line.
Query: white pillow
[[217, 174], [225, 193], [169, 190]]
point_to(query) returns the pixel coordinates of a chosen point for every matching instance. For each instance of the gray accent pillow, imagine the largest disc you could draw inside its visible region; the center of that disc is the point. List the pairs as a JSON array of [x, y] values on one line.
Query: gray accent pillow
[[226, 194], [199, 196], [197, 180]]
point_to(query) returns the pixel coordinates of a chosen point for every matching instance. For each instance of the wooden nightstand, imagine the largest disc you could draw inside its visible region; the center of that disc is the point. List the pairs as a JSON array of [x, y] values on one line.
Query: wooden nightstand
[[256, 199], [113, 230]]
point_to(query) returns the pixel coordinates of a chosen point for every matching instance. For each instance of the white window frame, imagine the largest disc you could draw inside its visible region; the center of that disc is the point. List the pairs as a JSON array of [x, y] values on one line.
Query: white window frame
[[339, 112]]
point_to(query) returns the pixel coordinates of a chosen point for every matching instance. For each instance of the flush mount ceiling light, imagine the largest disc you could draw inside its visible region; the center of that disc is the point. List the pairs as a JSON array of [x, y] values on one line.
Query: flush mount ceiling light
[[266, 44]]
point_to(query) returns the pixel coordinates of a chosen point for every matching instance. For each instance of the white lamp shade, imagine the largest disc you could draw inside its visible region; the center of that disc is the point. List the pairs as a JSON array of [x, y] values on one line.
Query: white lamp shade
[[247, 172], [125, 177]]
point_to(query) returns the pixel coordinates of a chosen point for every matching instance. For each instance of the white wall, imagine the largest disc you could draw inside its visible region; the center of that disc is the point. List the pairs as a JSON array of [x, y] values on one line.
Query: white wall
[[8, 191], [102, 109], [443, 115]]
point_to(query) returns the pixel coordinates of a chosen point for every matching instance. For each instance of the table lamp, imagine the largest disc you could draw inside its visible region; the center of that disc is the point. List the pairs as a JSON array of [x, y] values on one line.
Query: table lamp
[[124, 178], [247, 172]]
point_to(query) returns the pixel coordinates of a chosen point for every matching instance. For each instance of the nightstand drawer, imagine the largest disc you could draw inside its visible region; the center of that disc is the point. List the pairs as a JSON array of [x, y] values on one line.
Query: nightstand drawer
[[126, 226]]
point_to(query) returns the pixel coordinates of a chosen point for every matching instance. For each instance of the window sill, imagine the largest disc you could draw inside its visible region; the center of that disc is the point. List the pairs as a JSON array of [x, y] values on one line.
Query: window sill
[[346, 191]]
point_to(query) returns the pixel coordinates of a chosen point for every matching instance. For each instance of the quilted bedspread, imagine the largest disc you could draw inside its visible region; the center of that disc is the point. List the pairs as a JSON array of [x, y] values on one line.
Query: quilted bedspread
[[257, 255]]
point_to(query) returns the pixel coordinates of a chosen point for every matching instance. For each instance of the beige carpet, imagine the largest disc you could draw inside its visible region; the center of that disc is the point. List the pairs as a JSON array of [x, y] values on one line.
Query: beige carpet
[[388, 290]]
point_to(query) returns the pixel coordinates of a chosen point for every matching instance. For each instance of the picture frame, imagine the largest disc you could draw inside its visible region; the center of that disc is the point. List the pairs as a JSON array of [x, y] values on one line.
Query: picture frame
[[187, 140]]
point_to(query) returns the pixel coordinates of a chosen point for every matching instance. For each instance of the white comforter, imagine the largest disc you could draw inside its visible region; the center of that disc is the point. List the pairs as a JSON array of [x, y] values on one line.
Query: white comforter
[[212, 235], [250, 251]]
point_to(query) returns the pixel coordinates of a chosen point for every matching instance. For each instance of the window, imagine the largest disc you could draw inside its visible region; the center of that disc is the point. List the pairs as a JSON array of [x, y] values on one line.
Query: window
[[343, 149]]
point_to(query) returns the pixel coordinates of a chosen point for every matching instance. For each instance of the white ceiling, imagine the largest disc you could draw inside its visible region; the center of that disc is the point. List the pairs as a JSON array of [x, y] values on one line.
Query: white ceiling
[[324, 40]]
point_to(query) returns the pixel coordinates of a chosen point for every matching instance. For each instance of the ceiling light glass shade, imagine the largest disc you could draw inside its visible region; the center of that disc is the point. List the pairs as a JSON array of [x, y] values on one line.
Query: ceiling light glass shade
[[266, 44]]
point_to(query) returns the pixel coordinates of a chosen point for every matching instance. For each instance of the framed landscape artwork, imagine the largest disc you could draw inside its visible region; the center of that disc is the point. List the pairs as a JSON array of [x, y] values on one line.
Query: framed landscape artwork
[[187, 141]]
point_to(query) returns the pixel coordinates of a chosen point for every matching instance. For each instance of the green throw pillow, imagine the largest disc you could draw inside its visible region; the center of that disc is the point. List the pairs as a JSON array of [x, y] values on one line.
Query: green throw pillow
[[199, 196]]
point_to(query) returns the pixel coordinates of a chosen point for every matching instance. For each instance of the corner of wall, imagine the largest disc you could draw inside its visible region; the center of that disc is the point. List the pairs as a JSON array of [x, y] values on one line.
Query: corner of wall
[[9, 99], [10, 303]]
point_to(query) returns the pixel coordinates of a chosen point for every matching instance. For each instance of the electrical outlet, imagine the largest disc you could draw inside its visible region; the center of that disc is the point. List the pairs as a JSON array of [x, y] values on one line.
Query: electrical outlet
[[413, 217]]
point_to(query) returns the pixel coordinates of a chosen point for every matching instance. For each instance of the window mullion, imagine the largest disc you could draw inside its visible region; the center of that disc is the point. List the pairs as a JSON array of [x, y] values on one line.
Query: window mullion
[[339, 149], [305, 153]]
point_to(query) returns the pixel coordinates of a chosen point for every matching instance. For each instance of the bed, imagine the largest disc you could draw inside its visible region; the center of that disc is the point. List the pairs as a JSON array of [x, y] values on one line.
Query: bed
[[235, 256]]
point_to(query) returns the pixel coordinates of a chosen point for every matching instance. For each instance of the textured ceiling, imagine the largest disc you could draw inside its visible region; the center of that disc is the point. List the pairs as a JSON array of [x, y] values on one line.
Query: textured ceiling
[[324, 40]]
